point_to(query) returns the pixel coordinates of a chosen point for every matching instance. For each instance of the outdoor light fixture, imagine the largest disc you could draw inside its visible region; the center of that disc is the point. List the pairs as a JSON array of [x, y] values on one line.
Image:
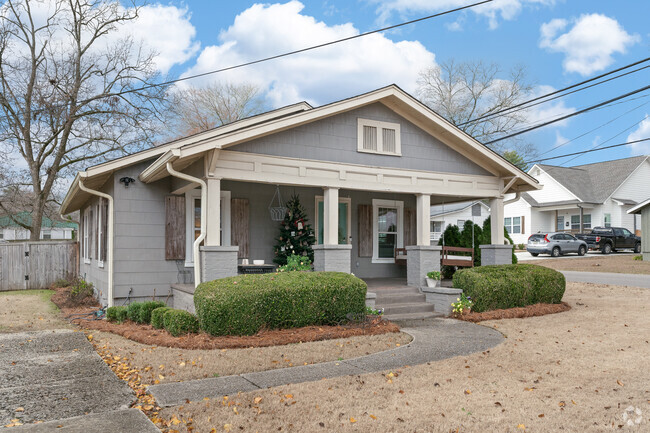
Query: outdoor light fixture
[[126, 181]]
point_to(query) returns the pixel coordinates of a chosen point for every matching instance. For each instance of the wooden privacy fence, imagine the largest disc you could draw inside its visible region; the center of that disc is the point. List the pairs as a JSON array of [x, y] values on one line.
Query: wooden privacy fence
[[37, 265]]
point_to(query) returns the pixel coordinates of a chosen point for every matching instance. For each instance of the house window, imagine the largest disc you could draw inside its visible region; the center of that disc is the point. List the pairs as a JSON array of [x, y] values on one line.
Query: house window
[[86, 236], [460, 224], [379, 137], [512, 224], [586, 221], [100, 233], [193, 221], [608, 219], [575, 222], [345, 214], [2, 234], [46, 234], [436, 226], [560, 222], [388, 229]]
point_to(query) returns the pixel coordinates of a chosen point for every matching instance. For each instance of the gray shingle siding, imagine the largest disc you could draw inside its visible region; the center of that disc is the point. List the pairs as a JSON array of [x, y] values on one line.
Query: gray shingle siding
[[335, 139]]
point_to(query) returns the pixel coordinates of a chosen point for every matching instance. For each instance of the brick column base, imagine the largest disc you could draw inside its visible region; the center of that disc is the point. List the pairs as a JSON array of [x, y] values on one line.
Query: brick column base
[[332, 258], [421, 259]]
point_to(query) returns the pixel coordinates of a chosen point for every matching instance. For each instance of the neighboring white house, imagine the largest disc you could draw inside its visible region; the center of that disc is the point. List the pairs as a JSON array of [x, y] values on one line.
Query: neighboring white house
[[444, 215], [575, 199], [50, 229]]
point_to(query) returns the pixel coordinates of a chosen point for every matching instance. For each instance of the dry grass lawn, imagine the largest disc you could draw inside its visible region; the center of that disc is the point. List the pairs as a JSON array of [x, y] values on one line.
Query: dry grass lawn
[[164, 364], [575, 371], [622, 264], [29, 310]]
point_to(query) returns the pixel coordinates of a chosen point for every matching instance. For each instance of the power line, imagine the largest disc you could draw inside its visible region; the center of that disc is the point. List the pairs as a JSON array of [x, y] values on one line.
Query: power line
[[278, 56], [564, 89], [588, 151], [590, 108]]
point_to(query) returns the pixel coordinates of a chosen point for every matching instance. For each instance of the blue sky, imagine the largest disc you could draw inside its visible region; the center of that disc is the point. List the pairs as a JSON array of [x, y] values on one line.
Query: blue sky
[[559, 41]]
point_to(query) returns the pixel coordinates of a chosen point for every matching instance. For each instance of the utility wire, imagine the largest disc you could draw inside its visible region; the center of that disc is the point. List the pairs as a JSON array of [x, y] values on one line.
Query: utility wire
[[278, 56], [588, 151], [584, 110], [564, 89]]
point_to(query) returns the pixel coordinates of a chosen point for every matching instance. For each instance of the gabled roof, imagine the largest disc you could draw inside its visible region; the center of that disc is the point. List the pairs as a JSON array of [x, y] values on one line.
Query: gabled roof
[[26, 218], [593, 183], [445, 209], [187, 150]]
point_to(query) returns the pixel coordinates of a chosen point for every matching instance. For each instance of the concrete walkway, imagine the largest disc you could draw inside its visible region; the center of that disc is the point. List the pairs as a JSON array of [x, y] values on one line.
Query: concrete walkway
[[433, 340], [57, 375], [635, 280]]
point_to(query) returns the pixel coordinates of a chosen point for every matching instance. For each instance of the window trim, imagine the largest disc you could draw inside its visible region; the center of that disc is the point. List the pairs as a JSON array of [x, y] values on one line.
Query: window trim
[[320, 199], [510, 227], [190, 196], [376, 204], [379, 125]]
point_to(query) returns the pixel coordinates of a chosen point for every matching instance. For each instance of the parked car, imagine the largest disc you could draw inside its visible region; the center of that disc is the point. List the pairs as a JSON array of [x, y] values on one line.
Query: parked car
[[608, 239], [555, 244]]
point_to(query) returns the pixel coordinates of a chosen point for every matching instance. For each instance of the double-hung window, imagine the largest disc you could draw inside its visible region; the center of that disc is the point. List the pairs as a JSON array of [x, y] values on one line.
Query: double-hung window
[[193, 221], [86, 235], [375, 136], [586, 221], [608, 219], [575, 222], [512, 224], [388, 229]]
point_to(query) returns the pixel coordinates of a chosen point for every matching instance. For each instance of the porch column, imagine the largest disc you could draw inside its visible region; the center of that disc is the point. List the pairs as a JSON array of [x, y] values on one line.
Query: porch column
[[213, 206], [423, 219], [497, 253], [582, 223], [496, 221], [330, 256], [331, 216]]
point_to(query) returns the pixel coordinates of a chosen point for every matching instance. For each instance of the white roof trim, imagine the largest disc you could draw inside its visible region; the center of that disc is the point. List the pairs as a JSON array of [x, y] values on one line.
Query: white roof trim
[[626, 179], [556, 181], [637, 209]]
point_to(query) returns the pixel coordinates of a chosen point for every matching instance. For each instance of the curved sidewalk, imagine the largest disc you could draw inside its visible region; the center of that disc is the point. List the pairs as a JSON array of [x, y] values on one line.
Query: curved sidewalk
[[436, 339]]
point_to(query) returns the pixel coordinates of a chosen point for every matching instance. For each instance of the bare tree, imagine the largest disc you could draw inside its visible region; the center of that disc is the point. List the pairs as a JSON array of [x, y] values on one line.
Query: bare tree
[[461, 92], [71, 91], [199, 109]]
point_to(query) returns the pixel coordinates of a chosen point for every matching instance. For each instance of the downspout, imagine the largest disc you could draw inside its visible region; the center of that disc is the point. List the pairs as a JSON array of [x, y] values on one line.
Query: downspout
[[514, 199], [204, 211], [109, 236]]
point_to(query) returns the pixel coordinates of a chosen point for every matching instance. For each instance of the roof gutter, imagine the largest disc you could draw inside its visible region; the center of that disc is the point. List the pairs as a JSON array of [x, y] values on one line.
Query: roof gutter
[[109, 237], [204, 211]]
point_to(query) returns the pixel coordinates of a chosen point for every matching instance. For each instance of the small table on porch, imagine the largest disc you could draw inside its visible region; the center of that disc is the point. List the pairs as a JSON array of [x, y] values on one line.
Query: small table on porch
[[255, 269]]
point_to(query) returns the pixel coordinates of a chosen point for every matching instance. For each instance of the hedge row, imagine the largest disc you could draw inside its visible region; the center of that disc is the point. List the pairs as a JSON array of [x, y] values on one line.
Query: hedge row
[[508, 286], [244, 304], [176, 322]]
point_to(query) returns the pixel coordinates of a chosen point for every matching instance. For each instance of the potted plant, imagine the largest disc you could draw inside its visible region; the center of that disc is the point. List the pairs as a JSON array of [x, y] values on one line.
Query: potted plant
[[433, 278]]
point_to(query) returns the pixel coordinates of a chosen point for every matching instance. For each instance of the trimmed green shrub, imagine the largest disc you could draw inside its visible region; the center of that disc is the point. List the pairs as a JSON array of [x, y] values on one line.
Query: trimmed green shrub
[[180, 322], [157, 317], [508, 286], [116, 314], [133, 311], [147, 308], [244, 304]]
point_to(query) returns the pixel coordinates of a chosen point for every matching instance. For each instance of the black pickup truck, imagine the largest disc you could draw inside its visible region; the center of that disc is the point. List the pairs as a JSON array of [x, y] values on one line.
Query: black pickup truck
[[608, 239]]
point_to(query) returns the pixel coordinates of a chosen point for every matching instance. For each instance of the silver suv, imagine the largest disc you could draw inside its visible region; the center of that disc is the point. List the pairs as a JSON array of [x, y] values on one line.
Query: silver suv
[[555, 244]]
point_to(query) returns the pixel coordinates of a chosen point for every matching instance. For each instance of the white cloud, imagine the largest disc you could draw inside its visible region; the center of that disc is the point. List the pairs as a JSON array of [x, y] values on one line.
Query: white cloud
[[643, 131], [498, 9], [548, 111], [321, 75], [589, 45]]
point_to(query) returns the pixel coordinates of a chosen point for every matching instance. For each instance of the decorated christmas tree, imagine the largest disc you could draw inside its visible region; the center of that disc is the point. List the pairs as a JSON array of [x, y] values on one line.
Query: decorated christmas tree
[[296, 235]]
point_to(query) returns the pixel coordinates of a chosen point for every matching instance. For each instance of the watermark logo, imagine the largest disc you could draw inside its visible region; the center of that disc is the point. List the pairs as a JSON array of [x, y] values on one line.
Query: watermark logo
[[632, 416]]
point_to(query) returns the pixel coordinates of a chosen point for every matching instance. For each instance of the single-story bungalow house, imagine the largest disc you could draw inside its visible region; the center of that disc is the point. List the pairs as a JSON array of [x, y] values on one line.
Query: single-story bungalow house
[[51, 229], [193, 209], [443, 215], [575, 199]]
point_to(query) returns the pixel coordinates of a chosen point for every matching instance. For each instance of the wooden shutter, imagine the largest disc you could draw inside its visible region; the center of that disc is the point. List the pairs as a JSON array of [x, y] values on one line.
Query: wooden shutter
[[175, 227], [365, 230], [410, 227], [523, 224], [239, 225]]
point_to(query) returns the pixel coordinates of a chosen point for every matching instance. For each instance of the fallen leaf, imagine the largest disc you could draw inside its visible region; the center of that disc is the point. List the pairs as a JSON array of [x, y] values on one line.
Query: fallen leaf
[[468, 392], [175, 420], [541, 415], [20, 409], [573, 401], [372, 416], [620, 383], [288, 396], [521, 426], [257, 400], [561, 404], [227, 427], [352, 420]]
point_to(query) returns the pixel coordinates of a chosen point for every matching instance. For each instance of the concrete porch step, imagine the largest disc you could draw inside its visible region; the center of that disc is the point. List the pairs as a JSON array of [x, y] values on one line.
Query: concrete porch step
[[412, 316], [396, 292], [386, 300], [404, 308]]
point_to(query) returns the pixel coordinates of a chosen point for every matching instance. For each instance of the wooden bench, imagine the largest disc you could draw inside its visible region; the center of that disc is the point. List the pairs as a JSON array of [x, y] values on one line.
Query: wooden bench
[[400, 256], [457, 260]]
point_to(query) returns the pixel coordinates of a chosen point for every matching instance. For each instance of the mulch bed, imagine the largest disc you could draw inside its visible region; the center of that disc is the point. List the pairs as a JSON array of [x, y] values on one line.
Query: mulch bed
[[146, 334], [515, 313]]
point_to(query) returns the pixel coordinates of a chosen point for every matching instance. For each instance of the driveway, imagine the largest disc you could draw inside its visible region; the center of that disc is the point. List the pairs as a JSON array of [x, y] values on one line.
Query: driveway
[[57, 375]]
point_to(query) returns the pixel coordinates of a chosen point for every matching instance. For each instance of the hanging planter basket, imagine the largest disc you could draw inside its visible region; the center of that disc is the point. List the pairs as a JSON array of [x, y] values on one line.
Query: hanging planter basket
[[277, 208]]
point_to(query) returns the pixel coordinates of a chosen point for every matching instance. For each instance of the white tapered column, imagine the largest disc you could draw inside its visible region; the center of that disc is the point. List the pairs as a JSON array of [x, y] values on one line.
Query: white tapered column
[[423, 219], [213, 235], [331, 216]]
